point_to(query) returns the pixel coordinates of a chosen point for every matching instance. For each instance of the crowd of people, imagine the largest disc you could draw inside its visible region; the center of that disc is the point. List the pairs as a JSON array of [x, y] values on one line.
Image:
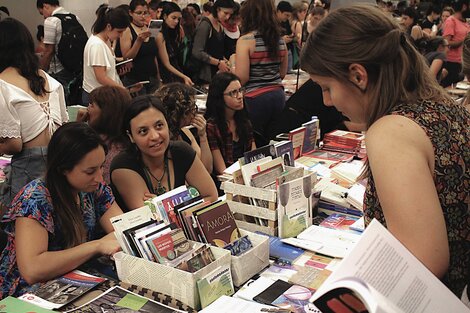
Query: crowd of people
[[376, 68]]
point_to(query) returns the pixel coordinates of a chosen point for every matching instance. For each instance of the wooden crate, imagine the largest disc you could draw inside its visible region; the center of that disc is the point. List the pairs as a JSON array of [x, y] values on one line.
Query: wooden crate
[[243, 212]]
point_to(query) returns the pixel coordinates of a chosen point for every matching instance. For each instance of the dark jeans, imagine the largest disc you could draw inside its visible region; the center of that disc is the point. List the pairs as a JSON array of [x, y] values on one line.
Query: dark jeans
[[263, 108]]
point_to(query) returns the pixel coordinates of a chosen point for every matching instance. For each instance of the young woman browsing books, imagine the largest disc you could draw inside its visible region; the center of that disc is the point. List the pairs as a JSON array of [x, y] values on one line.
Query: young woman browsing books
[[56, 224], [154, 164], [228, 128], [417, 140]]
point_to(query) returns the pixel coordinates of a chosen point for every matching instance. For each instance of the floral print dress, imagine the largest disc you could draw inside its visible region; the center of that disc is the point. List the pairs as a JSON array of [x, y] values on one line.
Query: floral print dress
[[448, 128], [34, 202]]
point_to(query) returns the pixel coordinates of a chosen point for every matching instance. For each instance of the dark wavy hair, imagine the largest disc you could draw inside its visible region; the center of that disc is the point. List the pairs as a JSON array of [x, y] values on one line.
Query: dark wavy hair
[[113, 102], [68, 146], [116, 17], [178, 101], [135, 3], [216, 107], [260, 16], [17, 50]]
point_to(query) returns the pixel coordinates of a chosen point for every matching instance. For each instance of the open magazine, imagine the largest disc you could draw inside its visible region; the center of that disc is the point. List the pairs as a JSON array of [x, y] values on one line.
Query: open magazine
[[381, 275], [58, 292], [117, 299]]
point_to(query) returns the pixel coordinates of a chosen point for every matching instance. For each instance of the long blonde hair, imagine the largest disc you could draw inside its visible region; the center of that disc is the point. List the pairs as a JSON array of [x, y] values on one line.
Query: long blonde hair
[[363, 34]]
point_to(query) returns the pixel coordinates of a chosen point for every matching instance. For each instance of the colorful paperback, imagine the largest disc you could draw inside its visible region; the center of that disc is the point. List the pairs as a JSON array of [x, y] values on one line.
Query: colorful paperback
[[239, 246], [214, 285], [197, 259], [259, 153], [63, 290], [118, 299], [297, 137], [340, 222], [170, 246], [280, 251], [14, 305], [285, 150], [311, 133], [218, 224]]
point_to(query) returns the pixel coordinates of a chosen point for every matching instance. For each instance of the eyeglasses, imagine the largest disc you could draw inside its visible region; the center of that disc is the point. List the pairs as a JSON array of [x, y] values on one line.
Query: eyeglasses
[[234, 93], [141, 13]]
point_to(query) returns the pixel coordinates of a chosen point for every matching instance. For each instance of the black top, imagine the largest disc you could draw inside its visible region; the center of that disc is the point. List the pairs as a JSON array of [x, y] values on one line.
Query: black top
[[175, 51], [215, 46], [181, 154], [143, 64], [300, 107]]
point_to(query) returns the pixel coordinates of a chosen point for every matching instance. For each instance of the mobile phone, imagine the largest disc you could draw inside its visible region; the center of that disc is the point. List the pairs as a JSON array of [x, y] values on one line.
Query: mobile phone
[[154, 27], [141, 82]]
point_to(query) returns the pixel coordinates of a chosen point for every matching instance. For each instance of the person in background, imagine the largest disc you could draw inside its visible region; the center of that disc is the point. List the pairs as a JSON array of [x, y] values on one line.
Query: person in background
[[299, 13], [229, 129], [52, 34], [466, 71], [171, 45], [32, 106], [455, 30], [446, 13], [429, 24], [409, 20], [105, 114], [284, 13], [232, 32], [261, 63], [207, 8], [137, 44], [154, 9], [317, 13], [195, 10], [417, 136], [40, 48], [208, 45], [435, 53], [153, 164], [99, 63], [178, 100], [58, 222]]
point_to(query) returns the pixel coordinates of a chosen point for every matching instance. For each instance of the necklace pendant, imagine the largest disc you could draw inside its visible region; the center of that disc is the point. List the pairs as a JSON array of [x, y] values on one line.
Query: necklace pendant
[[160, 190]]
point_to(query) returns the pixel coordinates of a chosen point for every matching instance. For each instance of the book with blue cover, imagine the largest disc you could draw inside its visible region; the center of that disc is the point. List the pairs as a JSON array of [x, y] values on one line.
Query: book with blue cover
[[280, 251]]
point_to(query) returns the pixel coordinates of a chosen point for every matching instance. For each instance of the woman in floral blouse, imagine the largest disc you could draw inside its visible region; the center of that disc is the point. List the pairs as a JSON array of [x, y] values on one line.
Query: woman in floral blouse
[[57, 223]]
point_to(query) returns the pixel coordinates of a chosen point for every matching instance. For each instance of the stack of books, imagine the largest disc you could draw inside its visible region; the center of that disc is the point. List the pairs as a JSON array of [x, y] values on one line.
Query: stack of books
[[345, 141]]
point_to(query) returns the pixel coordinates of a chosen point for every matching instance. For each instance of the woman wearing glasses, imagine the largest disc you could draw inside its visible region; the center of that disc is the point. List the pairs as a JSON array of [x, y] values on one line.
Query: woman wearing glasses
[[180, 105], [228, 128], [137, 44]]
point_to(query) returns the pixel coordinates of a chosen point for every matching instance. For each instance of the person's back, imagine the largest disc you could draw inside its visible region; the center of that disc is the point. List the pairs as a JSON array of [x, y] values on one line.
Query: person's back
[[32, 105]]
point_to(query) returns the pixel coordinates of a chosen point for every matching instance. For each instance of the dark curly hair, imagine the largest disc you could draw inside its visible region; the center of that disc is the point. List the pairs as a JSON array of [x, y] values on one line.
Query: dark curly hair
[[178, 101]]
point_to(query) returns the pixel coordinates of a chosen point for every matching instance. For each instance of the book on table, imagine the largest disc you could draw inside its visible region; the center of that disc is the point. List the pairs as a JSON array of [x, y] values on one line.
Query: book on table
[[381, 275], [297, 137], [294, 205], [11, 304], [259, 153], [312, 129], [285, 149], [118, 299], [61, 291], [215, 284]]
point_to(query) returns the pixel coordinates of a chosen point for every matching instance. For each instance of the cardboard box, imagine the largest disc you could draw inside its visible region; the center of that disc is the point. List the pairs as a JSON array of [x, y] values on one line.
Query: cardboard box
[[251, 262], [174, 282]]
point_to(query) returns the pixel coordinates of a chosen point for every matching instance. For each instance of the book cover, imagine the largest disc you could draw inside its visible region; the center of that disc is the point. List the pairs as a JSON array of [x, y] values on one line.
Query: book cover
[[339, 221], [189, 221], [285, 150], [311, 134], [295, 299], [197, 259], [165, 202], [239, 246], [259, 153], [143, 237], [11, 304], [214, 285], [184, 205], [280, 251], [267, 177], [118, 299], [345, 137], [168, 247], [272, 163], [218, 225], [129, 235], [297, 137], [294, 205], [58, 292]]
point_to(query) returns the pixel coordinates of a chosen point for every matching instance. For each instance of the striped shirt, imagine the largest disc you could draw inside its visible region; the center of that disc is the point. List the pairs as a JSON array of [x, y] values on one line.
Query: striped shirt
[[264, 69], [52, 35]]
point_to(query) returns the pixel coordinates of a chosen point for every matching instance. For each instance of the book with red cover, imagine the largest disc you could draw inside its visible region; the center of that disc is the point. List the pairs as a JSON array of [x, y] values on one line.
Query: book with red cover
[[218, 224], [297, 137], [345, 137]]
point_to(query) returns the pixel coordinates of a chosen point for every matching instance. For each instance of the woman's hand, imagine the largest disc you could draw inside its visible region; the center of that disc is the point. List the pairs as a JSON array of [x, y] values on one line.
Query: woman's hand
[[223, 66], [199, 122], [148, 196], [108, 245], [143, 36], [187, 81], [82, 115]]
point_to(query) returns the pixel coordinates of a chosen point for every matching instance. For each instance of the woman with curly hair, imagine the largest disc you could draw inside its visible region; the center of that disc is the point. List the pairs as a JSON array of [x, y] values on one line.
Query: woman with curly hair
[[228, 127], [178, 100], [261, 62]]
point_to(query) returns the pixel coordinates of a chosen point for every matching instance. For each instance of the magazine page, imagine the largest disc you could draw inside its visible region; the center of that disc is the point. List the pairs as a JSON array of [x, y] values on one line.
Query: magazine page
[[117, 299], [229, 304], [384, 264], [63, 290]]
